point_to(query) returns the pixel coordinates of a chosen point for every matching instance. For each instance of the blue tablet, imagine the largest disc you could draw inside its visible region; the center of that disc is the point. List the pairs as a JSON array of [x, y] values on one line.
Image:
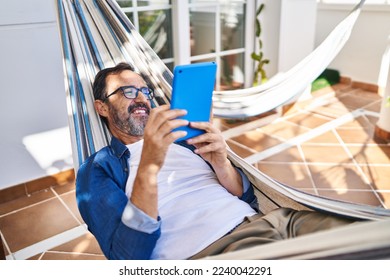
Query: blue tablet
[[192, 90]]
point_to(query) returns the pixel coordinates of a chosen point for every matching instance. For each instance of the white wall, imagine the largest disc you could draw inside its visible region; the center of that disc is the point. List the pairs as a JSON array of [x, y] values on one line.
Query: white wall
[[297, 32], [361, 57], [34, 138], [288, 32], [270, 22]]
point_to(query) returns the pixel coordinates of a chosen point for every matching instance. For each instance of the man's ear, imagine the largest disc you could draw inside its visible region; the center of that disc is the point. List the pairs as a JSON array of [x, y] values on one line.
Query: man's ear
[[101, 107]]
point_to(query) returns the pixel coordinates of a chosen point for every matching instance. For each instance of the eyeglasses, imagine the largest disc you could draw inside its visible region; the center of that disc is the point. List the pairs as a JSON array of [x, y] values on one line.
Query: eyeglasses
[[131, 92]]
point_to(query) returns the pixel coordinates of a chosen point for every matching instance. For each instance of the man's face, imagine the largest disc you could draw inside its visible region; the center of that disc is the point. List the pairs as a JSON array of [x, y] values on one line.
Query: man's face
[[128, 116]]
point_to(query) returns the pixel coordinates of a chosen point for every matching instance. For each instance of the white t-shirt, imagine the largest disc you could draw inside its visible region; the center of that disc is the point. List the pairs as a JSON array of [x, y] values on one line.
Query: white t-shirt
[[195, 209]]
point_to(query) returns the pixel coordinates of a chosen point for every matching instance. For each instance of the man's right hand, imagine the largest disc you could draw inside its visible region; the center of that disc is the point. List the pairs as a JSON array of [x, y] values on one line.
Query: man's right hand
[[158, 136], [158, 133]]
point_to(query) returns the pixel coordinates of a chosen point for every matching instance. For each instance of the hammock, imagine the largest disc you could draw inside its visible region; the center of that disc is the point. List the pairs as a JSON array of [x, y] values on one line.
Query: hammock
[[96, 34], [285, 87]]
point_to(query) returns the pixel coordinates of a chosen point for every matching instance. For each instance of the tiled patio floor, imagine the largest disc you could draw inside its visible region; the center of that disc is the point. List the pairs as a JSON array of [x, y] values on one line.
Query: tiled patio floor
[[323, 146]]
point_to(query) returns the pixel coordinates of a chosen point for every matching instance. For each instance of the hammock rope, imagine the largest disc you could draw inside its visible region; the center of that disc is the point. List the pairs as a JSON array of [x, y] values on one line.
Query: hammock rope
[[96, 34], [287, 86]]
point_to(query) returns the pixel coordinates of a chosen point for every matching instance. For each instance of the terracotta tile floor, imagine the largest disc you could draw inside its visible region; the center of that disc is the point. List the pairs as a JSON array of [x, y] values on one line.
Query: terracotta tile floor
[[322, 146]]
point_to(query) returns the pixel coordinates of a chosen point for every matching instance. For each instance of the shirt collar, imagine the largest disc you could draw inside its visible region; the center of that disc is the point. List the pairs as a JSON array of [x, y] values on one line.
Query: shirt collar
[[118, 147]]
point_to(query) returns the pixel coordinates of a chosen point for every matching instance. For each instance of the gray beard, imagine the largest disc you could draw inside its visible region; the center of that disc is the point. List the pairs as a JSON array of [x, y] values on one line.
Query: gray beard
[[137, 125], [128, 124]]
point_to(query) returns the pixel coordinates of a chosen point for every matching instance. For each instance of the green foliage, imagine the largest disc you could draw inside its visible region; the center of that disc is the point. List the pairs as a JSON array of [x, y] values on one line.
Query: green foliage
[[258, 25], [327, 78], [319, 84], [125, 4], [388, 102], [260, 73]]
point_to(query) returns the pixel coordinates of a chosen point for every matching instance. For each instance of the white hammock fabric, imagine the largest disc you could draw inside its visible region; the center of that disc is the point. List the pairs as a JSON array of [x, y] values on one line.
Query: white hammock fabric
[[96, 34], [287, 86]]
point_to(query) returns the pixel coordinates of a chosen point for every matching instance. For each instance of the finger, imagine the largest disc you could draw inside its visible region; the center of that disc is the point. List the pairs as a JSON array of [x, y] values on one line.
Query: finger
[[170, 125], [209, 147], [207, 126], [203, 138], [162, 134], [154, 113], [162, 114], [173, 136]]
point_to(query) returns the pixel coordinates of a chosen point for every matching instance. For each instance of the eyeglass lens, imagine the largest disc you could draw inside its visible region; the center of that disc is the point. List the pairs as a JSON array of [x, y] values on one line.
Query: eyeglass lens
[[131, 92]]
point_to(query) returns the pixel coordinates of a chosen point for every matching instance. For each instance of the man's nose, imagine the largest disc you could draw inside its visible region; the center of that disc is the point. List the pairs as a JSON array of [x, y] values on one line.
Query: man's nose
[[141, 97]]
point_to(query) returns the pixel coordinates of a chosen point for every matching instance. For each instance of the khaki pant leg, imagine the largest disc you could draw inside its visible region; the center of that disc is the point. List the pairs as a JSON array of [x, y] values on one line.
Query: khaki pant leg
[[253, 231], [304, 222], [279, 224]]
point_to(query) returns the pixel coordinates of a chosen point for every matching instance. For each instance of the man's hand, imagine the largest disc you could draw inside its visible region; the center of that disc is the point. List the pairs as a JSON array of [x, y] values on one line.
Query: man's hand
[[158, 136], [211, 146]]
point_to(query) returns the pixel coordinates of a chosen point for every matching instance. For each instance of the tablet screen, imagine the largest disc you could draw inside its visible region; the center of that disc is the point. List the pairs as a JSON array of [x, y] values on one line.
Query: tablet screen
[[192, 90]]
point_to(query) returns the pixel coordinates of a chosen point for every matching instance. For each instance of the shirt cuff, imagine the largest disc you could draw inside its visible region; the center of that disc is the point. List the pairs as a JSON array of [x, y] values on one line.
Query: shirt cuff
[[245, 181], [137, 219]]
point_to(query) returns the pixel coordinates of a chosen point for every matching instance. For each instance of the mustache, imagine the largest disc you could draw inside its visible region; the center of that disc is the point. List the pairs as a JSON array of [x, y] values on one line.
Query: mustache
[[138, 106]]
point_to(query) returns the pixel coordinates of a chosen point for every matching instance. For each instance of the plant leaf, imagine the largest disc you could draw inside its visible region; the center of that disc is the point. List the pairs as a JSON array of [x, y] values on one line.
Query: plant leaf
[[255, 57], [260, 9], [258, 28]]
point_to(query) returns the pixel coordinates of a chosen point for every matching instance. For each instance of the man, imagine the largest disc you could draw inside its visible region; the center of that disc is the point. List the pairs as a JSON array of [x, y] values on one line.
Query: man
[[146, 197]]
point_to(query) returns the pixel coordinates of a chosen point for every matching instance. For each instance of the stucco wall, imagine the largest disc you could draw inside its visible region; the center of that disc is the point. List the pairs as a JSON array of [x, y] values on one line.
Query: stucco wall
[[34, 138]]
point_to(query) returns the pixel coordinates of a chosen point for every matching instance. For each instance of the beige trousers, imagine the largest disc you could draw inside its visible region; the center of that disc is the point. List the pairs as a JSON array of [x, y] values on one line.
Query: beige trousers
[[278, 224]]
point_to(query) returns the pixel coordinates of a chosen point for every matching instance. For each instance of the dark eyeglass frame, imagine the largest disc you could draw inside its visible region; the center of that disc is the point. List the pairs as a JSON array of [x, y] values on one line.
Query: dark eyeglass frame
[[149, 95]]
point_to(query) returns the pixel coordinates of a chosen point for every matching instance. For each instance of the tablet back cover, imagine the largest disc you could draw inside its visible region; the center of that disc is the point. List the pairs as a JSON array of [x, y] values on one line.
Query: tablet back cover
[[192, 90]]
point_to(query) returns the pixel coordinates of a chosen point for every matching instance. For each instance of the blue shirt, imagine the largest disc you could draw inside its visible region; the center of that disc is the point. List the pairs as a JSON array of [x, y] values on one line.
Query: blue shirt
[[100, 191]]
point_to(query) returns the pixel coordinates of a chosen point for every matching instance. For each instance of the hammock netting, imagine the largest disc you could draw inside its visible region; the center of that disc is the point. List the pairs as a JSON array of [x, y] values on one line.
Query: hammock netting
[[96, 34]]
